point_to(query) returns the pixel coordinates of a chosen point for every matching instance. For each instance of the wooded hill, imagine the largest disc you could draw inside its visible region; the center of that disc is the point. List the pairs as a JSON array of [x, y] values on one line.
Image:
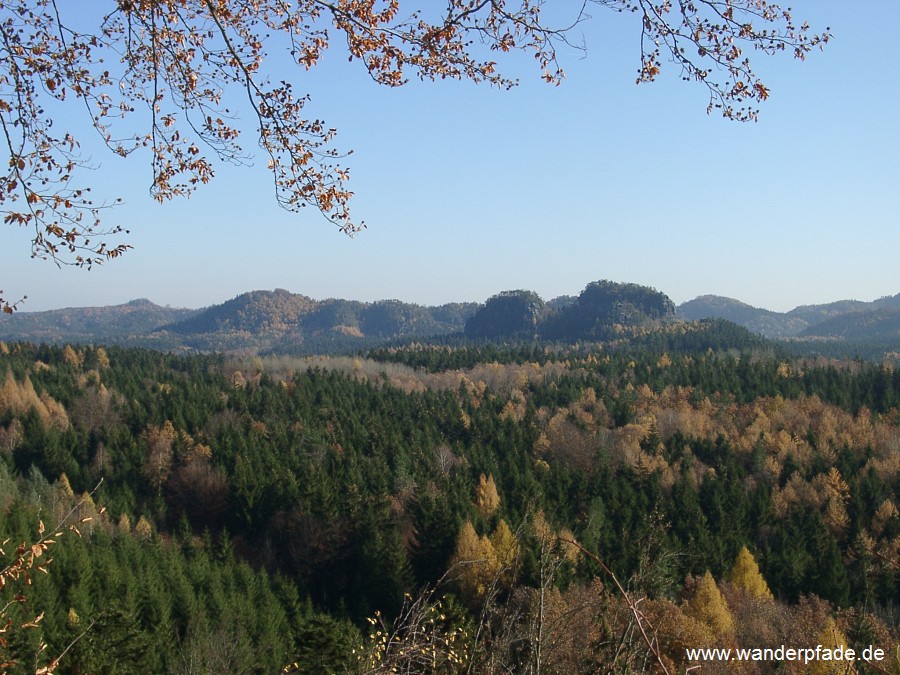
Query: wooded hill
[[850, 320], [288, 323], [252, 322], [101, 325]]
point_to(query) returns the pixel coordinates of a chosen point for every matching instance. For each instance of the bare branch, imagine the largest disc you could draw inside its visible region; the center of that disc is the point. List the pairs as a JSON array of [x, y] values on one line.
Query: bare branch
[[648, 632], [154, 76]]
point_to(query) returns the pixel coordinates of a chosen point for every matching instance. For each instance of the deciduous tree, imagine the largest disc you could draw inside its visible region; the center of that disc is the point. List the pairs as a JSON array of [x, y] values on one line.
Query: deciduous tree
[[474, 565], [487, 500], [746, 575], [160, 451], [709, 607]]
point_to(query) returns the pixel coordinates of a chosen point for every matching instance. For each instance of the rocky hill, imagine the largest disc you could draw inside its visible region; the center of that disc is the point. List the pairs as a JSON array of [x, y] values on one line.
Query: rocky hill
[[511, 314], [602, 311], [605, 309]]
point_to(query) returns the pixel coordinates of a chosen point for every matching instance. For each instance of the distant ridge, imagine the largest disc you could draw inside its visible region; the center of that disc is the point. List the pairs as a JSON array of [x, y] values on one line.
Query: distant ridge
[[284, 322], [763, 321], [845, 319], [90, 324], [881, 324]]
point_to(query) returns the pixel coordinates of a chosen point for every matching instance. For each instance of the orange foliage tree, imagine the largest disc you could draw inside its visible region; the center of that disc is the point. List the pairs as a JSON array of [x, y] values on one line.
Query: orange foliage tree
[[154, 76]]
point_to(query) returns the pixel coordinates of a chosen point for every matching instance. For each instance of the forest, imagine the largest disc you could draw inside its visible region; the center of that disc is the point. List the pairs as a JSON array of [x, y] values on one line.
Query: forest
[[449, 508]]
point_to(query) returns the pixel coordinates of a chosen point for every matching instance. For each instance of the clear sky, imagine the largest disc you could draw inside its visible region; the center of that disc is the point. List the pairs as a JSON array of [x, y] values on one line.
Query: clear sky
[[468, 191]]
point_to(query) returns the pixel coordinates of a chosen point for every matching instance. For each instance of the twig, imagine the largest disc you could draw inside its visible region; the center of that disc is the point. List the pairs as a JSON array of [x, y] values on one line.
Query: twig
[[642, 622]]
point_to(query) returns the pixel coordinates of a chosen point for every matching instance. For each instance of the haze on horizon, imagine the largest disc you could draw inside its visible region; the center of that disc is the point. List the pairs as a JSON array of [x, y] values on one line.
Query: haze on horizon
[[469, 191], [220, 301]]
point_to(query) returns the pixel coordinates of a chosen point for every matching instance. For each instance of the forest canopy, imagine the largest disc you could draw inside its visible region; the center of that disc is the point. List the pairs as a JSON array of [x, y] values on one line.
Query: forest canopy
[[483, 499]]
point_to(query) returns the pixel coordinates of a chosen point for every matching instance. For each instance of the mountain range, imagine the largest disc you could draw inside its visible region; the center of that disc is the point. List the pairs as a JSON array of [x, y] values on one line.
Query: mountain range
[[285, 322]]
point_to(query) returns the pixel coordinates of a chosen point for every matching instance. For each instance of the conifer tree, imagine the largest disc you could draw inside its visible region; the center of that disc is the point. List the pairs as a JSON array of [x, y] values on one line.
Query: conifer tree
[[487, 500], [474, 564], [709, 607], [831, 638], [746, 575], [506, 549]]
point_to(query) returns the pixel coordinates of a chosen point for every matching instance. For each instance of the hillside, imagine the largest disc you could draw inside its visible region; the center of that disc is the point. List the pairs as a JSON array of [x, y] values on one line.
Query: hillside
[[286, 323], [873, 325], [255, 312], [851, 320], [762, 321], [253, 321], [90, 324]]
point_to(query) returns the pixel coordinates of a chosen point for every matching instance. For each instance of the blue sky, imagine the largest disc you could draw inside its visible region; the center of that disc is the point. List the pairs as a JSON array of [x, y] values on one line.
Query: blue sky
[[468, 191]]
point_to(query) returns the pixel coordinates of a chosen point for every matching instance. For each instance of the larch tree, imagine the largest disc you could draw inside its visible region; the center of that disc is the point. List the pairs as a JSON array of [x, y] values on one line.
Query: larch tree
[[158, 79], [487, 499], [709, 607], [746, 576], [474, 565], [831, 637], [160, 452]]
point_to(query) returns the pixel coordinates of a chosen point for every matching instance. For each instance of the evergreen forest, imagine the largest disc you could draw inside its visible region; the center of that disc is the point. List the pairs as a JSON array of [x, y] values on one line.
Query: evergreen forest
[[462, 507]]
